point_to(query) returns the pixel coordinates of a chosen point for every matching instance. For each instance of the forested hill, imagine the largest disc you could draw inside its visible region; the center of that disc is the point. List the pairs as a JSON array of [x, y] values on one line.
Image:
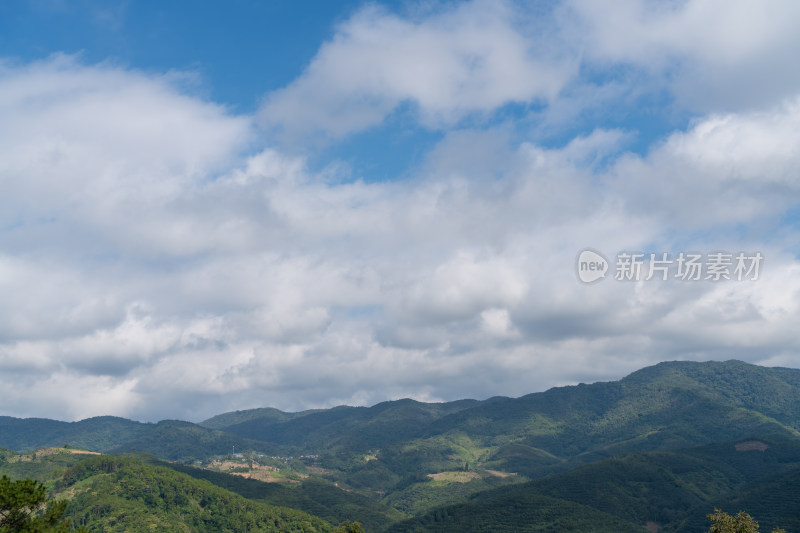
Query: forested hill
[[669, 405]]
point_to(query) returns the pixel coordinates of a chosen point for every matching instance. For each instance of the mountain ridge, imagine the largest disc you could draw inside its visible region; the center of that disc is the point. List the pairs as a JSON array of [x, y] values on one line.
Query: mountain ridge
[[537, 419]]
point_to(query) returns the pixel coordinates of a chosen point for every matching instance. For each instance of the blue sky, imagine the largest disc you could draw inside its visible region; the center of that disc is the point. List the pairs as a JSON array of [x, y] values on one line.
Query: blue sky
[[215, 206], [240, 50]]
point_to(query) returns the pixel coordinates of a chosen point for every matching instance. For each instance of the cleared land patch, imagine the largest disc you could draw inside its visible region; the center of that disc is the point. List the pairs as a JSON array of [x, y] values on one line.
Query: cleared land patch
[[751, 445], [455, 477]]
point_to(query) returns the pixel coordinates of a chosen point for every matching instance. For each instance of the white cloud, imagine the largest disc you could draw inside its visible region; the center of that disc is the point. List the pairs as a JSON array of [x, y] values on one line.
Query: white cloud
[[459, 60], [726, 169], [713, 54], [497, 323], [469, 60], [101, 147]]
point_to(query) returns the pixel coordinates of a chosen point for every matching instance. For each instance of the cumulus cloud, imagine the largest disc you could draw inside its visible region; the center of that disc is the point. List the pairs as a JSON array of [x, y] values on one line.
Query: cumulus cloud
[[462, 59], [724, 170], [712, 54], [68, 136]]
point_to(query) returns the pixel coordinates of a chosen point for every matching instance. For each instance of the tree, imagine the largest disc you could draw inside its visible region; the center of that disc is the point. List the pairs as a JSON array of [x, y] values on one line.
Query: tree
[[741, 523], [349, 527], [24, 508]]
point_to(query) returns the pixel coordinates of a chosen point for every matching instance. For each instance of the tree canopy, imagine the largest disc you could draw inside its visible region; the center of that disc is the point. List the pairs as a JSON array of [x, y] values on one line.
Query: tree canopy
[[722, 522], [24, 508], [349, 527]]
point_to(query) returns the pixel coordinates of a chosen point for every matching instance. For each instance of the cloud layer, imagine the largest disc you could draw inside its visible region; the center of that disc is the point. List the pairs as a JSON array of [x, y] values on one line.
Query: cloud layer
[[160, 257]]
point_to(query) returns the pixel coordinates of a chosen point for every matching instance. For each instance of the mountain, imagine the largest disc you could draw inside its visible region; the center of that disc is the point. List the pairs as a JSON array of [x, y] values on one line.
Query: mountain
[[175, 440], [267, 415], [102, 433], [668, 406], [637, 412], [671, 491], [339, 428]]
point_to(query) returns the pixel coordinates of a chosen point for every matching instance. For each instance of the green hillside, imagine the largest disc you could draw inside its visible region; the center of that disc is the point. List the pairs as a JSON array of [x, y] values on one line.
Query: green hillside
[[772, 499], [183, 441], [673, 490], [347, 428], [102, 433], [520, 514], [138, 493], [668, 406], [313, 495], [46, 465], [108, 493], [61, 469], [418, 494], [267, 415]]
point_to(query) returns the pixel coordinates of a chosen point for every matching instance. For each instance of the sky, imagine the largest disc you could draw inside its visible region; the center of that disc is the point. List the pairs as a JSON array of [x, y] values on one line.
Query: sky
[[212, 206]]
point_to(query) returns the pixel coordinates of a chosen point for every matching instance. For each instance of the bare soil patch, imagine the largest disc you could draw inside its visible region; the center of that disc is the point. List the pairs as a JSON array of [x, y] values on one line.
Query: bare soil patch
[[652, 527], [751, 445], [455, 477], [497, 473]]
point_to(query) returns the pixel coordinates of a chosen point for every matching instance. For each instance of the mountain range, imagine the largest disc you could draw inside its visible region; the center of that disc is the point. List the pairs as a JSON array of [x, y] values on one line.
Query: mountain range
[[658, 449]]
